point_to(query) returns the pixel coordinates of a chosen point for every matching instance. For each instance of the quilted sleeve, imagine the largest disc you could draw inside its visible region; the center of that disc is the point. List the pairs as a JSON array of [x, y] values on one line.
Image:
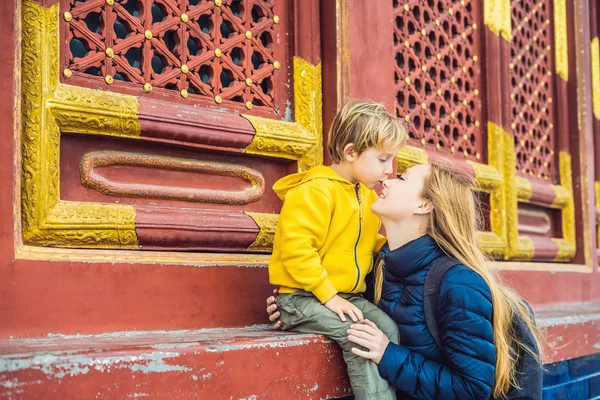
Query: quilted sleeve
[[465, 322]]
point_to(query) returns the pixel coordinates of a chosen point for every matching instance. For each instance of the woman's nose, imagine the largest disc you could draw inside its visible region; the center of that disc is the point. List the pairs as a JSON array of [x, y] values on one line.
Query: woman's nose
[[386, 183]]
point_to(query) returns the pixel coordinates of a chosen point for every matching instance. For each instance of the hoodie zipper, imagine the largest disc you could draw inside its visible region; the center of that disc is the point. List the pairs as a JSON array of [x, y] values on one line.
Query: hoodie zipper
[[358, 238]]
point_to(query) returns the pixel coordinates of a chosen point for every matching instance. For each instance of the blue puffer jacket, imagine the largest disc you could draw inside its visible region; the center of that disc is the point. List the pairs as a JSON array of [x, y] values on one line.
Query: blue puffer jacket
[[464, 368]]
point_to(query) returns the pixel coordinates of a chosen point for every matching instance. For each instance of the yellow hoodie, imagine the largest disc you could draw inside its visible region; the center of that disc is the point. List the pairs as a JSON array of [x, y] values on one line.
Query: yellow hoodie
[[326, 234]]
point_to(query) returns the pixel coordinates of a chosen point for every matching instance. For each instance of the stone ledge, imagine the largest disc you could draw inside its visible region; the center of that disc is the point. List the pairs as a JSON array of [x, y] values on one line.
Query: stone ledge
[[247, 363]]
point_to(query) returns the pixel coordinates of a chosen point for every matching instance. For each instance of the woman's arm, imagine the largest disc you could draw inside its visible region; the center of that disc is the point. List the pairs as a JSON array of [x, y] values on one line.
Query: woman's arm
[[465, 321]]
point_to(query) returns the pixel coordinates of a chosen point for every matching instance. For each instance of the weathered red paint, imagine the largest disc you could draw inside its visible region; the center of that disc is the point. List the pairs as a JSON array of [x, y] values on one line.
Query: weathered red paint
[[249, 364]]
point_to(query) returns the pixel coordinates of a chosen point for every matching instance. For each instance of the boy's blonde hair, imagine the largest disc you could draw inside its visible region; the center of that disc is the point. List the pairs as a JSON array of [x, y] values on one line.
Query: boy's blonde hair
[[365, 124]]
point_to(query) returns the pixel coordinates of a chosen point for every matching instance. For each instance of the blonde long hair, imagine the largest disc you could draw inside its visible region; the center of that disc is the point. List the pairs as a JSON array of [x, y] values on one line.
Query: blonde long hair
[[453, 224]]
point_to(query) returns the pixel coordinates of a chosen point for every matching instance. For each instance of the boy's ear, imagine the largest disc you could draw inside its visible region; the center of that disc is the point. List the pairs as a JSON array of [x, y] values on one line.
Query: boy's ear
[[423, 207], [350, 152]]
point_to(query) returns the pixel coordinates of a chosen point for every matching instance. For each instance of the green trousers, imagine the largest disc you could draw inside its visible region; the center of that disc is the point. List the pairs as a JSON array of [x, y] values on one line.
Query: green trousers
[[302, 312]]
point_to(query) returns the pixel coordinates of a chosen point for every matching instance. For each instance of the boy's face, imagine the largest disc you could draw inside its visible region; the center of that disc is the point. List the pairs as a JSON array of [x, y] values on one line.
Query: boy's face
[[373, 166]]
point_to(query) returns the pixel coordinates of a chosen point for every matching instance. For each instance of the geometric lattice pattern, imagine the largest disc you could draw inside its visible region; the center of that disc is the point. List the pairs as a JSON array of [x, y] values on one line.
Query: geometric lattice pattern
[[223, 50], [532, 88], [437, 73]]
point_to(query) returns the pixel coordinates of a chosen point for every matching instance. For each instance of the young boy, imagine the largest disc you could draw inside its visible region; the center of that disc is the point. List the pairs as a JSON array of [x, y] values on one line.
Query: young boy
[[327, 235]]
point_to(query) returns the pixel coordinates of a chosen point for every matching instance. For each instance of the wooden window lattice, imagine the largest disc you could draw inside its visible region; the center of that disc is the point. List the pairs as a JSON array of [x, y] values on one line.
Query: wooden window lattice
[[221, 50], [532, 87], [437, 75]]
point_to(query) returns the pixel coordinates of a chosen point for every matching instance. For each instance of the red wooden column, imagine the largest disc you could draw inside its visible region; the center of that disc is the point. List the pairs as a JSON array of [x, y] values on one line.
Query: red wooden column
[[357, 62]]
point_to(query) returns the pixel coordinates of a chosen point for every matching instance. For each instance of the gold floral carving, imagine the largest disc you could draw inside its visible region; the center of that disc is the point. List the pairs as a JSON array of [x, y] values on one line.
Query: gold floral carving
[[595, 57], [567, 249], [267, 223], [308, 108], [46, 220], [487, 177], [489, 180], [561, 44], [301, 140], [504, 207], [562, 196], [524, 190], [278, 139], [497, 17], [83, 110], [410, 156]]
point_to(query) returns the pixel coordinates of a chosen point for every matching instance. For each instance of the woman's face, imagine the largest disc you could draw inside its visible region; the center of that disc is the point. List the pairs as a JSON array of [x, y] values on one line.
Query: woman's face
[[402, 197]]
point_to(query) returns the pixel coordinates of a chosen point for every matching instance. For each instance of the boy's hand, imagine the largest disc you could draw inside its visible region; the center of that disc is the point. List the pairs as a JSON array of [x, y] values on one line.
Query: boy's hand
[[272, 309], [341, 306]]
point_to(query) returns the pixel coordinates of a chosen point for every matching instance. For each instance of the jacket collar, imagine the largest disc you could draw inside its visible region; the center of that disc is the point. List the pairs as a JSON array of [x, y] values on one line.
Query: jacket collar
[[412, 257]]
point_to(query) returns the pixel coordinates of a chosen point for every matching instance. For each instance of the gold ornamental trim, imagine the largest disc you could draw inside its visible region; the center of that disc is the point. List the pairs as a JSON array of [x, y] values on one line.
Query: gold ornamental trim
[[595, 58], [524, 190], [46, 106], [497, 17], [561, 43], [562, 196], [81, 110], [566, 250], [410, 156], [301, 140], [566, 253], [267, 223]]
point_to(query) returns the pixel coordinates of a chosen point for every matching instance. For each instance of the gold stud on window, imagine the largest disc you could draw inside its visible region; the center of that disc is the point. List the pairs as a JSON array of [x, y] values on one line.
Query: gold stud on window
[[249, 105]]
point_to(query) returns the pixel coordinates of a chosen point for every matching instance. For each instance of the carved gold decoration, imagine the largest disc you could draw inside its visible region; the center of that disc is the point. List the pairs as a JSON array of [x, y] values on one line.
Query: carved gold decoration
[[278, 139], [504, 207], [409, 156], [595, 57], [487, 177], [562, 196], [46, 105], [300, 140], [496, 15], [308, 108], [561, 43], [567, 250], [267, 223], [524, 191], [82, 110]]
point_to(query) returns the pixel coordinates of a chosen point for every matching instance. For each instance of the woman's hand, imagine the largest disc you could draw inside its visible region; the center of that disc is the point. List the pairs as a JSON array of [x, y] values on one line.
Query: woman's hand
[[368, 335], [272, 309]]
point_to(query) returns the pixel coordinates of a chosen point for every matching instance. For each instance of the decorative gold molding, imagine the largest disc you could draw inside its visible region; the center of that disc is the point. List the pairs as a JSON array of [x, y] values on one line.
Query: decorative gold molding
[[308, 101], [47, 220], [487, 177], [595, 61], [410, 156], [504, 208], [567, 250], [497, 17], [267, 223], [524, 190], [562, 196], [279, 139], [561, 43], [82, 110], [302, 140]]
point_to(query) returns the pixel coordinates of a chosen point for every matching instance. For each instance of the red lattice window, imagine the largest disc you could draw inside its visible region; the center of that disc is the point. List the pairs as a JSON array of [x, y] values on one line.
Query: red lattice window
[[437, 74], [223, 51], [532, 88]]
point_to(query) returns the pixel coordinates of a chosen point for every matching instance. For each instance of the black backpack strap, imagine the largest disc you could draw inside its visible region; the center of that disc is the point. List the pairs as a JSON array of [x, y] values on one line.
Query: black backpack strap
[[431, 292]]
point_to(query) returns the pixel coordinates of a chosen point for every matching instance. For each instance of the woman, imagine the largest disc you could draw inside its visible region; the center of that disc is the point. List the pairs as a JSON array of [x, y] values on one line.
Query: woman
[[430, 212]]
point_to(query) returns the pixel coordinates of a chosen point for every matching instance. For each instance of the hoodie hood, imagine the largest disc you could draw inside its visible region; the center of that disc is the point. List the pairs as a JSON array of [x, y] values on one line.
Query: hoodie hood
[[292, 181]]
